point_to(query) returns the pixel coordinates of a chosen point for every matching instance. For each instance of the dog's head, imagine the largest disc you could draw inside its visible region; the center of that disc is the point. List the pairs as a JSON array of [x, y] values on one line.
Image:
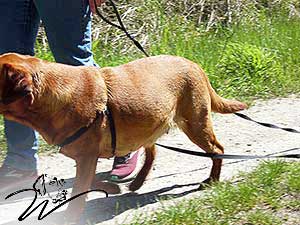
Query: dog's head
[[16, 81]]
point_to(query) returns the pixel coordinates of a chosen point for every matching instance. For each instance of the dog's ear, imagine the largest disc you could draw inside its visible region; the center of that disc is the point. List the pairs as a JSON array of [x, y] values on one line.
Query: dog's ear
[[17, 84]]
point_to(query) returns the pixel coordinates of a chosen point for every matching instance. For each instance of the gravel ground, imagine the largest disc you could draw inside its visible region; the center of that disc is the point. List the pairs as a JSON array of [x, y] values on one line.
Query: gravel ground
[[174, 175]]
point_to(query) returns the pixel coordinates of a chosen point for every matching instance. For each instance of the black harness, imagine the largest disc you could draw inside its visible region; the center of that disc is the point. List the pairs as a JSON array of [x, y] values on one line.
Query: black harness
[[81, 131]]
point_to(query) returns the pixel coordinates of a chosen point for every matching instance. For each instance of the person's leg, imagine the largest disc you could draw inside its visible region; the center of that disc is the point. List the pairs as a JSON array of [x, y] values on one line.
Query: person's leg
[[19, 26], [68, 28]]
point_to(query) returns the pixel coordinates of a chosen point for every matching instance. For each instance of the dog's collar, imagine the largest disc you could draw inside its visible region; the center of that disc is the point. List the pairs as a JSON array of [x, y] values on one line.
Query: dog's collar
[[82, 130]]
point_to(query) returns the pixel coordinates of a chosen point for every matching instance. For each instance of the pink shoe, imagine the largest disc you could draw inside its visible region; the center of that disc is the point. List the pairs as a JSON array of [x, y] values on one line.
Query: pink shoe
[[124, 167]]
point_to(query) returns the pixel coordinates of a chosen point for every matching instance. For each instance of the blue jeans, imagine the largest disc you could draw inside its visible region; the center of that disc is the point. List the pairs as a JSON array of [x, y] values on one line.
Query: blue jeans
[[68, 28]]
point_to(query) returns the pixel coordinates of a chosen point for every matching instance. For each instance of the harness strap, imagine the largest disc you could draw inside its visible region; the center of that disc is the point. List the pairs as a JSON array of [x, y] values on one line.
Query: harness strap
[[112, 128], [82, 130]]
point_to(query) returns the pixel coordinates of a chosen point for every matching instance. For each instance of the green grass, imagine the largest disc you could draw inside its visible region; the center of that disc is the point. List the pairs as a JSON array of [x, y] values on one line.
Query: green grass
[[275, 39], [265, 196]]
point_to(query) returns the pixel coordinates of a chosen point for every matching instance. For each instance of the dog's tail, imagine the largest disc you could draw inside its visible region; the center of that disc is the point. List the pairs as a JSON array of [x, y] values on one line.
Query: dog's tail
[[222, 105]]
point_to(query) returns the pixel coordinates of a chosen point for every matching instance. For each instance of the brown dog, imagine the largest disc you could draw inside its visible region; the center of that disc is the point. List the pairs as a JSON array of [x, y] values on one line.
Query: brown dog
[[145, 97]]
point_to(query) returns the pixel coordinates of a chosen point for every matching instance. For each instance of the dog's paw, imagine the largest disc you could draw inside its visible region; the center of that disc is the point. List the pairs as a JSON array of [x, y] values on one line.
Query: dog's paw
[[108, 187]]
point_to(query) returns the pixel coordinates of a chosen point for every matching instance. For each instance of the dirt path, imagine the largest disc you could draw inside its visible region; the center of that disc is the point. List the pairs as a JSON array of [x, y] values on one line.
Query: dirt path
[[174, 175]]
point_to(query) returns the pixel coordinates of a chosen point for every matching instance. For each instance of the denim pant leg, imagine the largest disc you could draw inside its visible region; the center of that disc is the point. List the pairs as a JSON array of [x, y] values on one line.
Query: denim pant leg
[[68, 28], [19, 26]]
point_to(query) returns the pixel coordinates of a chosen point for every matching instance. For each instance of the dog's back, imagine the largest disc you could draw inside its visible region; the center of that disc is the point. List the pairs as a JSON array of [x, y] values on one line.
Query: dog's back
[[156, 78]]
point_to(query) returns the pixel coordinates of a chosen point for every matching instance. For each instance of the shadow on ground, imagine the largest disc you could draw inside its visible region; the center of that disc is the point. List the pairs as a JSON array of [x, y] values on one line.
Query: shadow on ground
[[103, 209]]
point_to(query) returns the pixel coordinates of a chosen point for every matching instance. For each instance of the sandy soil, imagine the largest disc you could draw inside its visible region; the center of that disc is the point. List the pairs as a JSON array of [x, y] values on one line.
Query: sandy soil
[[174, 176]]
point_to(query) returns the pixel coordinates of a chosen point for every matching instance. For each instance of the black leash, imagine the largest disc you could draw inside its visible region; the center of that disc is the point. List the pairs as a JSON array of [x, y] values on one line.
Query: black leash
[[229, 156], [243, 116], [121, 26], [269, 125]]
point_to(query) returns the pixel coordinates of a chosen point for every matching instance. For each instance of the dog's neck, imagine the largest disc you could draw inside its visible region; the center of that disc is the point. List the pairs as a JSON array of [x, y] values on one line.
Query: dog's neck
[[60, 107]]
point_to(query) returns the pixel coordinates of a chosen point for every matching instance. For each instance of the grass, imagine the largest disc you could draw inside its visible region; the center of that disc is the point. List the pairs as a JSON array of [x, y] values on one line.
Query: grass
[[268, 195], [275, 38]]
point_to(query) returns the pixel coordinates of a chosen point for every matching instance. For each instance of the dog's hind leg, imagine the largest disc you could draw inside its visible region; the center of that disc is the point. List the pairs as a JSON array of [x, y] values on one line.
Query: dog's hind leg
[[140, 178], [198, 127]]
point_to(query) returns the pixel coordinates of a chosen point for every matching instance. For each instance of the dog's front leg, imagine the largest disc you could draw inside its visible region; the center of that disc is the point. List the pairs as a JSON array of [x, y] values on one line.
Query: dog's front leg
[[85, 172]]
